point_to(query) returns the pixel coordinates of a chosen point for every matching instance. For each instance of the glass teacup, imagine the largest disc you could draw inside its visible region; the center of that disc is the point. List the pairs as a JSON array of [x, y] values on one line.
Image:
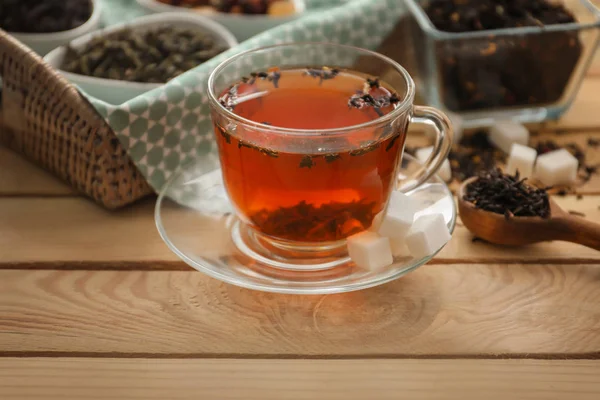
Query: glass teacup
[[310, 139]]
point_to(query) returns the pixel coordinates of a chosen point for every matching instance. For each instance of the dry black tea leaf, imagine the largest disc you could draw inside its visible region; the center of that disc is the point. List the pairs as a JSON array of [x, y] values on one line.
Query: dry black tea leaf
[[323, 74], [309, 223], [508, 195], [43, 16], [505, 70]]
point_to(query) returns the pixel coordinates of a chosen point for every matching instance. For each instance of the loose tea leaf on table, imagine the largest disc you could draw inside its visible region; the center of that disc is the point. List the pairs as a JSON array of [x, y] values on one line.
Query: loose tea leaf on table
[[508, 195], [151, 56], [43, 16], [474, 155]]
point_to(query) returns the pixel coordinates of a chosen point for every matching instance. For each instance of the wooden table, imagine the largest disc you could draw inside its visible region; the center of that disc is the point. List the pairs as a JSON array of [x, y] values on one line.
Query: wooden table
[[94, 306]]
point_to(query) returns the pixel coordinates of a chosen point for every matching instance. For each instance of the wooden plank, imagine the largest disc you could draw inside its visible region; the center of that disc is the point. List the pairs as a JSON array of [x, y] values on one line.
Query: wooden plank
[[142, 379], [77, 230], [21, 177], [516, 310], [76, 233]]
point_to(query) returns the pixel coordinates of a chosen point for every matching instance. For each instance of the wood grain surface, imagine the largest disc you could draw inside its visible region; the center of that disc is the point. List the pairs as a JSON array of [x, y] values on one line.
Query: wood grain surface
[[19, 177], [438, 310], [143, 379], [76, 233]]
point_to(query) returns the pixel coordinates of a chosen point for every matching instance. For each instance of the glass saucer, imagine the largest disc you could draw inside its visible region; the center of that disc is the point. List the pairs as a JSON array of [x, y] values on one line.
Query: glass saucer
[[196, 220]]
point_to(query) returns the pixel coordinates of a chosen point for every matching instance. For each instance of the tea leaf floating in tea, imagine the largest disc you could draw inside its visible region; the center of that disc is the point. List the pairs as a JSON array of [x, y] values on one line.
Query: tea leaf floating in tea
[[331, 157], [241, 144], [226, 135], [307, 162], [307, 222], [43, 16], [367, 148], [153, 56], [508, 195], [273, 75], [373, 95], [323, 74]]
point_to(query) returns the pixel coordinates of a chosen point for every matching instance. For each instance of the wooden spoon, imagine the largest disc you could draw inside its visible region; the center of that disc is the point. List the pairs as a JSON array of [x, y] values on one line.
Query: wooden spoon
[[517, 231]]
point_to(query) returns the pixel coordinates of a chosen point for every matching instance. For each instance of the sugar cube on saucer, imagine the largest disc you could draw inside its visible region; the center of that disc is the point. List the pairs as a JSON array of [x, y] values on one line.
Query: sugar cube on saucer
[[400, 215], [399, 248], [504, 133], [370, 251], [427, 235], [522, 158], [445, 172], [557, 167]]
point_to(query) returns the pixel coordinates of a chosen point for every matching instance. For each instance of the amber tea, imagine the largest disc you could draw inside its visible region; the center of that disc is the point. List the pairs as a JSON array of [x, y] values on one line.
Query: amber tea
[[309, 195]]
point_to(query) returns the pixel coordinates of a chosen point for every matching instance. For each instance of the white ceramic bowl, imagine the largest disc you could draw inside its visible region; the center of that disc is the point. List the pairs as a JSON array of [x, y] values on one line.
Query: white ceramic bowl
[[243, 26], [42, 43], [115, 91]]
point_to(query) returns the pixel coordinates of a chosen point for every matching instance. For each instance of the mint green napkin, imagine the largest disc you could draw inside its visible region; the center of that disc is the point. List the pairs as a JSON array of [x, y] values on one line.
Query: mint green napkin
[[170, 126]]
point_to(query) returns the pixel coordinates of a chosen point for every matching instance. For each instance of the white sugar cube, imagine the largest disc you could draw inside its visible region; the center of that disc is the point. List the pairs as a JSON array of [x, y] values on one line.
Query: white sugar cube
[[557, 167], [504, 133], [522, 159], [427, 235], [399, 248], [399, 217], [445, 172], [370, 251], [377, 220]]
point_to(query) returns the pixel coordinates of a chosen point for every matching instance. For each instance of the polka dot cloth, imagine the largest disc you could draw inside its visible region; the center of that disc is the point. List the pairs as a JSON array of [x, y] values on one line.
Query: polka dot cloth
[[169, 126]]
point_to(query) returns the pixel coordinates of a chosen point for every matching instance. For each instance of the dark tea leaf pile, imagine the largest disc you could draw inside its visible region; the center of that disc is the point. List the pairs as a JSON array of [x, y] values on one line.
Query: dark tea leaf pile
[[307, 222], [507, 195], [503, 70], [153, 56], [474, 155], [43, 16], [477, 15]]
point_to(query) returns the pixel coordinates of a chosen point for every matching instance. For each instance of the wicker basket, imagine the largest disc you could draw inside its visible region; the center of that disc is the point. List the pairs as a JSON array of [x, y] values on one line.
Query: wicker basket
[[46, 119]]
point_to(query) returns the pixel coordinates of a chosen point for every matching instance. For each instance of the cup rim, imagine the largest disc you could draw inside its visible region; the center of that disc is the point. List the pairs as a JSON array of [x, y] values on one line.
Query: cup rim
[[401, 108]]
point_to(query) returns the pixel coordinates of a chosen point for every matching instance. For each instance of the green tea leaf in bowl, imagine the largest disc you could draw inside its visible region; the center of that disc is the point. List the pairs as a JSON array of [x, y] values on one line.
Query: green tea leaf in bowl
[[149, 56]]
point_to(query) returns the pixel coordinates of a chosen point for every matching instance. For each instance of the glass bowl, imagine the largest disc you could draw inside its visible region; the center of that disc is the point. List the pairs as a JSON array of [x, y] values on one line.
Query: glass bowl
[[529, 74]]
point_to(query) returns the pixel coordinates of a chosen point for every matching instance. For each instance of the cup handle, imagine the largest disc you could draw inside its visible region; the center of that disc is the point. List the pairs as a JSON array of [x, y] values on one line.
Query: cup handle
[[441, 148]]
